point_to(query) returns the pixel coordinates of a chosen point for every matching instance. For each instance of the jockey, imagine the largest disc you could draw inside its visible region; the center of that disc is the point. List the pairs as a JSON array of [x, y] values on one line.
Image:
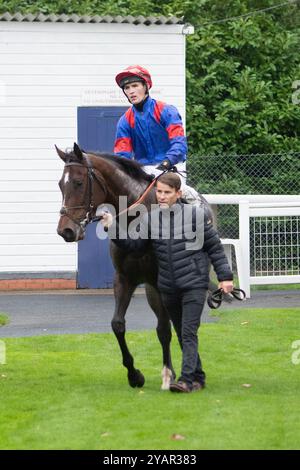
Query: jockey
[[151, 131]]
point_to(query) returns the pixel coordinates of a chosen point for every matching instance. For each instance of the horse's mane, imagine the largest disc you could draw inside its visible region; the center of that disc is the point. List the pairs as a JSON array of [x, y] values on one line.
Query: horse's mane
[[130, 167]]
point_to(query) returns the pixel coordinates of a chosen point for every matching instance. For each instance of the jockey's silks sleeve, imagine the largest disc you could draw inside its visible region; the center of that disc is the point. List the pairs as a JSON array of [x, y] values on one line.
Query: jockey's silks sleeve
[[172, 122], [152, 135], [123, 142]]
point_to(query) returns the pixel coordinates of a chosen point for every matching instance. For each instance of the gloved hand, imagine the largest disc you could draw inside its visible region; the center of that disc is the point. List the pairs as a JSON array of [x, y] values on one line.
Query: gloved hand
[[164, 165]]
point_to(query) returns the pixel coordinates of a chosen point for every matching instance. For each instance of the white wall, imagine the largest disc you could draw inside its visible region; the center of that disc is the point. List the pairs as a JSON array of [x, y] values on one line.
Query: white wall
[[47, 70]]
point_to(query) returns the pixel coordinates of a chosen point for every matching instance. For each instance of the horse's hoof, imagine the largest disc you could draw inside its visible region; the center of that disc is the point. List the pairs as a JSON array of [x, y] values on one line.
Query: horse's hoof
[[136, 379], [167, 377]]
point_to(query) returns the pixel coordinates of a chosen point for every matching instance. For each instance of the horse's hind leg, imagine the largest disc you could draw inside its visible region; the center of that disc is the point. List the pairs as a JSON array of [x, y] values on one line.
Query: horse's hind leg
[[164, 334], [123, 292]]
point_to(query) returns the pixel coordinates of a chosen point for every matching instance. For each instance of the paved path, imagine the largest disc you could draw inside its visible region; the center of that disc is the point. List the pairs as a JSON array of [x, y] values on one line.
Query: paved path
[[72, 312]]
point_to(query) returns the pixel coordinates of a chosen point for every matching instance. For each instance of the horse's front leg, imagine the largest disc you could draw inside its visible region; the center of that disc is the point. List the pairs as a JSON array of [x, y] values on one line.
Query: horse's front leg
[[123, 292], [164, 334]]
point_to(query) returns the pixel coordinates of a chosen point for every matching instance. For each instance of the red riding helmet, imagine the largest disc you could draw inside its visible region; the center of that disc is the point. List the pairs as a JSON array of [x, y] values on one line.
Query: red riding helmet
[[134, 72]]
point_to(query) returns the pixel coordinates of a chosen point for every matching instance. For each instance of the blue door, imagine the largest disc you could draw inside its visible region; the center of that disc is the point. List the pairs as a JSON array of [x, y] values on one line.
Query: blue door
[[96, 132]]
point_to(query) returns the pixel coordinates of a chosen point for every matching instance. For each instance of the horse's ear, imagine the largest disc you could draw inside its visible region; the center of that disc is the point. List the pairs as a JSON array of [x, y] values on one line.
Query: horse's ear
[[77, 151], [61, 154]]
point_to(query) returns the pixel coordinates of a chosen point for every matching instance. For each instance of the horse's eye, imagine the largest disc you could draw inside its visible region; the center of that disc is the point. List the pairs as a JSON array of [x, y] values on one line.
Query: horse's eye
[[77, 183]]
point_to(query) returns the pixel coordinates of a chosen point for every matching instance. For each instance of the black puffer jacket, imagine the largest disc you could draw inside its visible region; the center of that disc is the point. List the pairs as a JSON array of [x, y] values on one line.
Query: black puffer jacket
[[180, 267]]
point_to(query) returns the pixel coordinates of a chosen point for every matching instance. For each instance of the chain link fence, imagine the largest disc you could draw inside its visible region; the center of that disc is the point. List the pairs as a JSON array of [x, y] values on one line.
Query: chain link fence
[[274, 242], [245, 174], [242, 174], [275, 246]]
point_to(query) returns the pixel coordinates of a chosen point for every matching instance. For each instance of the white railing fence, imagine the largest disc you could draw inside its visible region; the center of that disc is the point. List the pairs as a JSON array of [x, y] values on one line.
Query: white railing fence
[[267, 250]]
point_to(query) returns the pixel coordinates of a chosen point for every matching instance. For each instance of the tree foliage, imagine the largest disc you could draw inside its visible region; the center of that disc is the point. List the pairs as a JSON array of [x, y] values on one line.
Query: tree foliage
[[240, 73], [240, 77]]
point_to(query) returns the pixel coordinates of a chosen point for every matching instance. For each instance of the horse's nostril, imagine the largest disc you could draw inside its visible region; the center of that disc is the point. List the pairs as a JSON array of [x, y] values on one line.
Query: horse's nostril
[[68, 235]]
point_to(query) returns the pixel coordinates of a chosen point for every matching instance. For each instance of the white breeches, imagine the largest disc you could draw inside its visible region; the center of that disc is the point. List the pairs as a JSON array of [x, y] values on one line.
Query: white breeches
[[189, 193]]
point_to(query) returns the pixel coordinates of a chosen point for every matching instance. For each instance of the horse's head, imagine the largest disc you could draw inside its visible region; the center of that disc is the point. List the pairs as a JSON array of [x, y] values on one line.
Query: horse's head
[[82, 191]]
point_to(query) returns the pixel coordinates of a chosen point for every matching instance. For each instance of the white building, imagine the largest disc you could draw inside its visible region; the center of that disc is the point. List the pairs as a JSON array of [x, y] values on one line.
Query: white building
[[50, 66]]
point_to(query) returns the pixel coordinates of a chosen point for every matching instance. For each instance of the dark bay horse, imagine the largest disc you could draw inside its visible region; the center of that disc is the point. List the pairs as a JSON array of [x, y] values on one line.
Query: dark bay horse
[[89, 180]]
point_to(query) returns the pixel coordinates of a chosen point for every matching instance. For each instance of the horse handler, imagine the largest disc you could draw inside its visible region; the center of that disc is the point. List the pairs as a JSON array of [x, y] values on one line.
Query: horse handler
[[183, 268]]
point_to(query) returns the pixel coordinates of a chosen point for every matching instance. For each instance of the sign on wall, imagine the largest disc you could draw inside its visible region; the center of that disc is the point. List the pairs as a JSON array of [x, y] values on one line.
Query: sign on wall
[[110, 96]]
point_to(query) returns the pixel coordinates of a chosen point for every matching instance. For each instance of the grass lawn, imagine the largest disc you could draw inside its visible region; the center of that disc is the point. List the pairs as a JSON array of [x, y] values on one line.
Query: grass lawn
[[275, 287], [71, 392]]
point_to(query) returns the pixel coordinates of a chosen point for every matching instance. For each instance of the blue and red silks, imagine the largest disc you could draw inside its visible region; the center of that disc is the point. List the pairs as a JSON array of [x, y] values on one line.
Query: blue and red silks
[[151, 135]]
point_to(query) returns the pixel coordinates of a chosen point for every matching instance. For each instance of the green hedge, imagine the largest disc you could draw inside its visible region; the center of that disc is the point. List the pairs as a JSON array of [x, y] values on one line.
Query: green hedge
[[240, 73]]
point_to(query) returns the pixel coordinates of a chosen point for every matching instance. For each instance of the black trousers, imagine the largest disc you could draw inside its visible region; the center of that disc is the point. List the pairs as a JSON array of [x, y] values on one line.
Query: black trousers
[[185, 309]]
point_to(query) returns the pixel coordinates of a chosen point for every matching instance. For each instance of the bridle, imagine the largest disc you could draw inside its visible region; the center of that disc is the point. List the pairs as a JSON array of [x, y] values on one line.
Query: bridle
[[90, 205]]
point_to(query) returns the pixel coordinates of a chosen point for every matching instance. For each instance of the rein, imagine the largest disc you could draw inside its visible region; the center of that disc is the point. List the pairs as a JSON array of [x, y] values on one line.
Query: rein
[[143, 195], [136, 203], [215, 298], [90, 207]]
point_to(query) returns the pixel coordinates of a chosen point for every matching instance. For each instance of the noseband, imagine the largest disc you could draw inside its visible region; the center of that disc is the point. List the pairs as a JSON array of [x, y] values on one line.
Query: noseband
[[90, 205]]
